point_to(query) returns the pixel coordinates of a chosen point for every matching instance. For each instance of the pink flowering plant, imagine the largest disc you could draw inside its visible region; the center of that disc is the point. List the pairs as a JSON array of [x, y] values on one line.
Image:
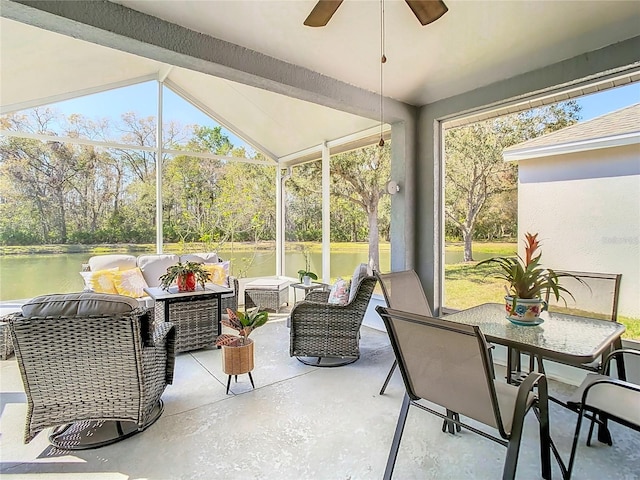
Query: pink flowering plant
[[526, 277]]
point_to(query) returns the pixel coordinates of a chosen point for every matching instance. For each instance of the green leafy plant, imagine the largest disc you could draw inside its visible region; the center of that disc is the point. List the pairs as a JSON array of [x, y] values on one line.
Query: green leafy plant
[[527, 278], [307, 265], [244, 324], [182, 270]]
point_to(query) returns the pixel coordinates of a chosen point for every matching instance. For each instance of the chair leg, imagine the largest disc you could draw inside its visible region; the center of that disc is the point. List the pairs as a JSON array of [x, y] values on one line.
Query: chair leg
[[545, 434], [604, 435], [397, 436], [513, 449], [389, 375], [452, 427], [574, 446]]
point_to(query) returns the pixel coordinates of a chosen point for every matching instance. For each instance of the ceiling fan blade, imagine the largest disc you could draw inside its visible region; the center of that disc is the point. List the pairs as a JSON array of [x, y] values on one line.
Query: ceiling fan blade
[[427, 11], [322, 13]]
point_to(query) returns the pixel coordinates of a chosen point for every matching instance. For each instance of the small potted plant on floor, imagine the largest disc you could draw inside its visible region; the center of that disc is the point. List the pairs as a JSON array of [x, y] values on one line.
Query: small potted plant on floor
[[529, 283], [237, 350], [185, 275]]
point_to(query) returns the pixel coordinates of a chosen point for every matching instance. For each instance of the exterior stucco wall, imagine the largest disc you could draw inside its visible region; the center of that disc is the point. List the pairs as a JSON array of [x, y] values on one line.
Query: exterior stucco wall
[[586, 208], [428, 209]]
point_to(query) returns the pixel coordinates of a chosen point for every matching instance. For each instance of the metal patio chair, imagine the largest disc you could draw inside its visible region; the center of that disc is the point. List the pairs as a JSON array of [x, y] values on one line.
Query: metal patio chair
[[601, 398], [595, 295], [448, 364], [402, 291]]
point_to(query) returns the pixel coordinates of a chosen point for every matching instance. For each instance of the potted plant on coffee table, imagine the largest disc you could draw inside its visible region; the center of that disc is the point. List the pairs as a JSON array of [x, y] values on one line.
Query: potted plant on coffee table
[[237, 350], [529, 283], [185, 275]]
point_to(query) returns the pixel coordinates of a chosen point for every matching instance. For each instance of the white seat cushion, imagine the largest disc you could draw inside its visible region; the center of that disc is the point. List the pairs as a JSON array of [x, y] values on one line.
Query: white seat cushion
[[267, 284]]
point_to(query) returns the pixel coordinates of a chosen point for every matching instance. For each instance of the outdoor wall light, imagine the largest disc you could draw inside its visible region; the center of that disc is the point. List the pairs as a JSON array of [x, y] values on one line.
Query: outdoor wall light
[[393, 187]]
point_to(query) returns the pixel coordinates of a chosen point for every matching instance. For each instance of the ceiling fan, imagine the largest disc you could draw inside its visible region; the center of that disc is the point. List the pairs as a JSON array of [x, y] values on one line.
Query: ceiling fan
[[426, 11]]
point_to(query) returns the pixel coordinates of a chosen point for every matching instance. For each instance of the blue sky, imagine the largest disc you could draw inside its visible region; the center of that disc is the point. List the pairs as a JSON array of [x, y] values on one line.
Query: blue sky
[[141, 99]]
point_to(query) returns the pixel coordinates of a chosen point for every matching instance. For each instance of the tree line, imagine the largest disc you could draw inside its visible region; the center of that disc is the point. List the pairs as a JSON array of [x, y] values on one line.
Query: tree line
[[57, 192]]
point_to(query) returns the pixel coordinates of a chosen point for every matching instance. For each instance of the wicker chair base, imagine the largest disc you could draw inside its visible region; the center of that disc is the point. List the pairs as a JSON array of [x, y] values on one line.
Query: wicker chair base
[[333, 361], [90, 434]]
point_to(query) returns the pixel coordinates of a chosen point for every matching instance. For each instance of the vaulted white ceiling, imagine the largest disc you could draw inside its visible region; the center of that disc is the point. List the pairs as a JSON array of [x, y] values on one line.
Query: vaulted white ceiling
[[475, 44]]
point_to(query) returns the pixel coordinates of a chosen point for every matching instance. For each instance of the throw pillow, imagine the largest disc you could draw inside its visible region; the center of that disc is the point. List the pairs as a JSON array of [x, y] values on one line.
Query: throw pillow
[[339, 294], [100, 281], [219, 272], [130, 282]]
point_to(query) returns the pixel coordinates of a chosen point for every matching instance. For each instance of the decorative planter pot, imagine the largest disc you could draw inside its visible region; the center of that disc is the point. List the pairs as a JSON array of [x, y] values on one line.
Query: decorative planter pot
[[306, 280], [237, 360], [187, 283], [524, 310]]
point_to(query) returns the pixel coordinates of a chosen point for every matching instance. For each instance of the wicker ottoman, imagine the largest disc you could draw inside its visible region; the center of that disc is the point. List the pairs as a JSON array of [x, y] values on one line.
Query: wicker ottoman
[[266, 293]]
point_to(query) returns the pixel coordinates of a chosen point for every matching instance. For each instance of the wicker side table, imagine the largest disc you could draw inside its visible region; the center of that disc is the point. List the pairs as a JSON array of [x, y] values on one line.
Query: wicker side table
[[268, 293]]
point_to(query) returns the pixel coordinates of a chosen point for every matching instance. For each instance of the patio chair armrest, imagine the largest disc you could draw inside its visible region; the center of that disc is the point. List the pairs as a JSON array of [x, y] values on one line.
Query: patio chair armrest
[[233, 283], [614, 355], [159, 333], [163, 336], [318, 296], [532, 380]]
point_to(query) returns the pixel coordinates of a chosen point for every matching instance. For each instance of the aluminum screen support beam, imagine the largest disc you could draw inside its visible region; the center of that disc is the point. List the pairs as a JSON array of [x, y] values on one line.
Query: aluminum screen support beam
[[159, 172], [326, 213]]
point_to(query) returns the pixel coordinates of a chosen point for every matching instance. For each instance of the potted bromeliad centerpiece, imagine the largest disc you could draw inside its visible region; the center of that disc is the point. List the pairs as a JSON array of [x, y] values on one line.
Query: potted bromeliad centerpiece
[[185, 275], [237, 350], [529, 283]]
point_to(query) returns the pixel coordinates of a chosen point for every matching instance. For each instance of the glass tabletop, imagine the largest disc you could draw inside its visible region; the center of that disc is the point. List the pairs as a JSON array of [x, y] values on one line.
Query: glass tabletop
[[158, 293], [561, 336]]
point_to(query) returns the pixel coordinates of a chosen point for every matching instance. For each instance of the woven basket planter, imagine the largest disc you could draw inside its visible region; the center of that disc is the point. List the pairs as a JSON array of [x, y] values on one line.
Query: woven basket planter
[[237, 360]]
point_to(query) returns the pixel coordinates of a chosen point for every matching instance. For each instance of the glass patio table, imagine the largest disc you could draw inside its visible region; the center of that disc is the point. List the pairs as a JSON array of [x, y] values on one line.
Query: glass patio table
[[567, 338]]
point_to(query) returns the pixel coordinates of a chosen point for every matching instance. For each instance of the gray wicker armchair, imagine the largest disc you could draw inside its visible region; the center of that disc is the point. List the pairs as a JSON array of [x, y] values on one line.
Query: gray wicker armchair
[[93, 365], [324, 330]]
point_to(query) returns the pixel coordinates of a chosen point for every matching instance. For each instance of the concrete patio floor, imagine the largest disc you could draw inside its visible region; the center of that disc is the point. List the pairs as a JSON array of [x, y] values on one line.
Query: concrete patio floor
[[300, 422]]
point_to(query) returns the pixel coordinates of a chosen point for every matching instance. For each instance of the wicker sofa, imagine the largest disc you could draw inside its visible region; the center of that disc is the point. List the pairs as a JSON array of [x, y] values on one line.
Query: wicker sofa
[[93, 365], [152, 266]]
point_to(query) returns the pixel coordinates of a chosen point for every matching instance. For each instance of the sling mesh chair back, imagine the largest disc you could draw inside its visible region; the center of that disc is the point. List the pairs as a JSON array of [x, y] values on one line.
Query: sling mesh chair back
[[93, 366], [593, 295], [448, 364], [402, 291]]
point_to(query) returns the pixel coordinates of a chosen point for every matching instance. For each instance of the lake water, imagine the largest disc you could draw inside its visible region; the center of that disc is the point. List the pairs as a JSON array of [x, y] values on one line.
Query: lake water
[[26, 276]]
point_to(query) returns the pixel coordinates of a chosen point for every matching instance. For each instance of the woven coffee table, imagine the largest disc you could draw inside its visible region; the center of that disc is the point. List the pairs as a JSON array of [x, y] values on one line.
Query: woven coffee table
[[266, 293]]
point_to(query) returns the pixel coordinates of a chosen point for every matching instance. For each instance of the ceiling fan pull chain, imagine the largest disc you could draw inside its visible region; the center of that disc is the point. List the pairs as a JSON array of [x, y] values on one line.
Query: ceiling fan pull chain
[[383, 60]]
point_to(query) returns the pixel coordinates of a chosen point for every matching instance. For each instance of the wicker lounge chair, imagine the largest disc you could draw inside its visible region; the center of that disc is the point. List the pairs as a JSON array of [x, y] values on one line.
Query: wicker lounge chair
[[325, 330], [93, 366]]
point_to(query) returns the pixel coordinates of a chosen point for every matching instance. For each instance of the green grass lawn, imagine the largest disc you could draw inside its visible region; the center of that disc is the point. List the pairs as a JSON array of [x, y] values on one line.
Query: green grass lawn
[[467, 285]]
